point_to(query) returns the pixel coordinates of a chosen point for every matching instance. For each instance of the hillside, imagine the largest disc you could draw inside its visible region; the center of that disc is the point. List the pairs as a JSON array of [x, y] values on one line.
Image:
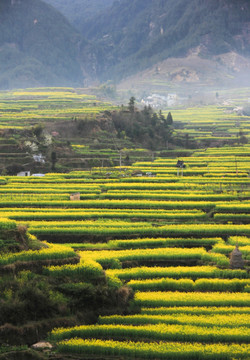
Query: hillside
[[77, 11], [76, 43], [37, 46], [134, 35], [65, 129], [190, 75]]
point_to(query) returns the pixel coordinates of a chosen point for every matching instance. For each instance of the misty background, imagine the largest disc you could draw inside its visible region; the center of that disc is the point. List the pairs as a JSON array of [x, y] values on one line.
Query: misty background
[[82, 43]]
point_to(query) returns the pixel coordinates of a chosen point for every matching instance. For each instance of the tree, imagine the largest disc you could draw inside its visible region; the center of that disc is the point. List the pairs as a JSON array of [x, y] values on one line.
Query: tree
[[161, 116], [37, 130], [131, 104], [13, 169], [154, 119], [169, 119]]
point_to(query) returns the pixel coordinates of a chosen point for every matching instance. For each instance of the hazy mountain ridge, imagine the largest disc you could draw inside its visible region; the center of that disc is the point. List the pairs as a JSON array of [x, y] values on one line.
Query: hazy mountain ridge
[[37, 46], [77, 11], [137, 34]]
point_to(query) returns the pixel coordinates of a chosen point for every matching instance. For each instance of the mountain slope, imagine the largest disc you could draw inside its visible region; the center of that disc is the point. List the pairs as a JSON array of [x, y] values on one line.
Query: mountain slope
[[37, 46], [135, 34], [78, 11]]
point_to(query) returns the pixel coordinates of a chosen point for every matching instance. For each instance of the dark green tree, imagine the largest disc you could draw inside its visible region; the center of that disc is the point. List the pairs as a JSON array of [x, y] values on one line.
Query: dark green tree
[[38, 130], [169, 119], [13, 169], [161, 116], [154, 119], [131, 104]]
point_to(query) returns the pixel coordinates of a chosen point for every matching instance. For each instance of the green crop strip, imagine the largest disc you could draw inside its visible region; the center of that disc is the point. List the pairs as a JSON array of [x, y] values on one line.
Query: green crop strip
[[178, 272], [52, 251], [157, 332], [219, 320], [192, 299], [206, 285], [157, 350]]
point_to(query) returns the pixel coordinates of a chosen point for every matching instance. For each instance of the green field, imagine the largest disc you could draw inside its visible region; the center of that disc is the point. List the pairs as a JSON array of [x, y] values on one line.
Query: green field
[[167, 236], [76, 125], [154, 238]]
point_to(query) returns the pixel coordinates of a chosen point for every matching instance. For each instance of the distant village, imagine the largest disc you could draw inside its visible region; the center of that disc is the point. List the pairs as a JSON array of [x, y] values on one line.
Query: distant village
[[157, 101]]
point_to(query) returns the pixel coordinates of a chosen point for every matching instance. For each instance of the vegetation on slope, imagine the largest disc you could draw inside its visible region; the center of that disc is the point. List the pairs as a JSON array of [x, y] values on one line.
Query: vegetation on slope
[[133, 35], [77, 11], [38, 46], [32, 302]]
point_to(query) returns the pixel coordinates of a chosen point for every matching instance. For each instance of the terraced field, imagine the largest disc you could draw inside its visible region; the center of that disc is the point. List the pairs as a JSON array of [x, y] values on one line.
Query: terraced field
[[165, 234], [77, 125]]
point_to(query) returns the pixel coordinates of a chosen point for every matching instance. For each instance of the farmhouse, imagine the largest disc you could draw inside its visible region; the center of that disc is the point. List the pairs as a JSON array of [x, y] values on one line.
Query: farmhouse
[[23, 173]]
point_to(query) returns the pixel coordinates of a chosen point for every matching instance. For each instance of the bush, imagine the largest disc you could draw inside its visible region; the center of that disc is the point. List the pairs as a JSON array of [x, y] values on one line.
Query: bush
[[80, 295]]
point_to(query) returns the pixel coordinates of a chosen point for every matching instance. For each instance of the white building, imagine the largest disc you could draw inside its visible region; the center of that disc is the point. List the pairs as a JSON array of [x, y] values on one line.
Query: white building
[[158, 101], [171, 99], [39, 158], [23, 173]]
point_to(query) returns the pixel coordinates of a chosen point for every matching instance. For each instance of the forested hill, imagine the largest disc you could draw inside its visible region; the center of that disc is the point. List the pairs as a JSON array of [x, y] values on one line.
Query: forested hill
[[134, 34], [78, 11], [38, 46]]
